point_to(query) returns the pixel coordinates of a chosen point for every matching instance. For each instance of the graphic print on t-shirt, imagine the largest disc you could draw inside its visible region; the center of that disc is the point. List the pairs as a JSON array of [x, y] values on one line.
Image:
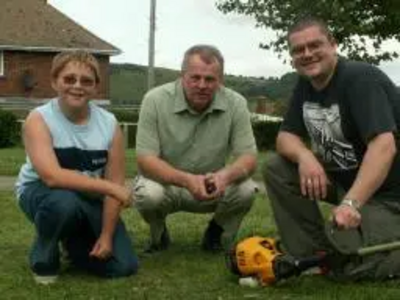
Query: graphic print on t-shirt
[[324, 127]]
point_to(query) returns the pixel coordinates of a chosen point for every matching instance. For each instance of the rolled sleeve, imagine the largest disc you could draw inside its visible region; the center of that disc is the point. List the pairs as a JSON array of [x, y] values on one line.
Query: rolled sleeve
[[242, 138], [147, 136], [375, 115]]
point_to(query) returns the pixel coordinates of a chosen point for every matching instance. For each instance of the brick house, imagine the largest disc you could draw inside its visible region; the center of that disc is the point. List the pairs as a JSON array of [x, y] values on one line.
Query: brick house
[[31, 33]]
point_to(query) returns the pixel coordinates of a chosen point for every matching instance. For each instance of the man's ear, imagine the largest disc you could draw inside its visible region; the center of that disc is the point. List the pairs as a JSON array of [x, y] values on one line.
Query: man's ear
[[221, 79]]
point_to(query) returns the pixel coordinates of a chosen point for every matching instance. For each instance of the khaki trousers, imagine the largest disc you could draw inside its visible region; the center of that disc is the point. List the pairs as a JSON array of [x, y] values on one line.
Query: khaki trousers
[[155, 202]]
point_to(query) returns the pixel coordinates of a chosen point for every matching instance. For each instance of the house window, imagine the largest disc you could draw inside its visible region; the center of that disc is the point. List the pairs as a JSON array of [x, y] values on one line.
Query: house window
[[1, 63]]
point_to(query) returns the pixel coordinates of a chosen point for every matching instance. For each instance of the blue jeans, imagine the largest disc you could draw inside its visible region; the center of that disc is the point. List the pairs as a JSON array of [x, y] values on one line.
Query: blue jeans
[[66, 216]]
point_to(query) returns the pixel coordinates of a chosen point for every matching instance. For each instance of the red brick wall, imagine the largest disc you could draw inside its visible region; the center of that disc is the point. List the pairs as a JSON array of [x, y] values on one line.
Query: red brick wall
[[38, 64]]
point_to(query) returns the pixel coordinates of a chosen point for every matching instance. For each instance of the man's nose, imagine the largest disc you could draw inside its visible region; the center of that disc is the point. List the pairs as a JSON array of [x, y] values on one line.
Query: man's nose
[[307, 52], [202, 83]]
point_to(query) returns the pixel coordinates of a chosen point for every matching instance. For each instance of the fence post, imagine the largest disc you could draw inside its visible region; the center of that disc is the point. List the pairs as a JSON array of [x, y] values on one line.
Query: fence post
[[125, 128]]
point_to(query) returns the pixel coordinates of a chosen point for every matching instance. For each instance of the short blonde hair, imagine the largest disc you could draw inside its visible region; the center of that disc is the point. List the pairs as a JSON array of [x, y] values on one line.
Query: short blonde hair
[[80, 56], [208, 54]]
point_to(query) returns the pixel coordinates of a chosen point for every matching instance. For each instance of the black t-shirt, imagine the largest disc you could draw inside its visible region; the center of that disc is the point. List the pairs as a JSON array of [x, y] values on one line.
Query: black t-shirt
[[359, 103]]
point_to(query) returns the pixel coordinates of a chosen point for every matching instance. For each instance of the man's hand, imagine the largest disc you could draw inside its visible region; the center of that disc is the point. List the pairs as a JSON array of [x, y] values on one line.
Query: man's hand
[[216, 184], [313, 179], [102, 249], [346, 217], [196, 185]]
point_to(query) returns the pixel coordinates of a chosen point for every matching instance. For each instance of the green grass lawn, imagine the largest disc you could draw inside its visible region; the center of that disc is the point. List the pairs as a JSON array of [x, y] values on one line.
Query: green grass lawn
[[11, 160], [181, 272]]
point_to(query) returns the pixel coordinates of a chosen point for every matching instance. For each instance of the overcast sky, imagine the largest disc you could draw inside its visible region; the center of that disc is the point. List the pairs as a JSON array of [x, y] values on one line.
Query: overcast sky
[[181, 24]]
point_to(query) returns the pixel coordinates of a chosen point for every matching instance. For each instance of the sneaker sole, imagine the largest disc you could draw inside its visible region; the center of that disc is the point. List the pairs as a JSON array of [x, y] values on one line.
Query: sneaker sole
[[45, 280]]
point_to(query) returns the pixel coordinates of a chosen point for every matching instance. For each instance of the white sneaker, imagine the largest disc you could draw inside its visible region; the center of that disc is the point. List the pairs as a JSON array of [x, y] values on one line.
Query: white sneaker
[[45, 279]]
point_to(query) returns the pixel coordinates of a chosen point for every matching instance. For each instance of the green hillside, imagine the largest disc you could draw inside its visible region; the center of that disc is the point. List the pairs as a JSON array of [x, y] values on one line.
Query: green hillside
[[128, 83]]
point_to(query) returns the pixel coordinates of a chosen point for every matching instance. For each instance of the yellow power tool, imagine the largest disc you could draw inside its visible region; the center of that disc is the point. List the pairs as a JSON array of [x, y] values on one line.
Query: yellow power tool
[[261, 258]]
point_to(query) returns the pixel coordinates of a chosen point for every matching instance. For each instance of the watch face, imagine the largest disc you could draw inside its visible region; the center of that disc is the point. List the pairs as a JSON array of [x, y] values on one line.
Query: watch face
[[355, 203], [352, 203]]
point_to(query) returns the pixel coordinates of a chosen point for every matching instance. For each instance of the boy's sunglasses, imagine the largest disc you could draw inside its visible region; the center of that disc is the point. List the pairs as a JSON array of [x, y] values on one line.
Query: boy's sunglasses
[[84, 81]]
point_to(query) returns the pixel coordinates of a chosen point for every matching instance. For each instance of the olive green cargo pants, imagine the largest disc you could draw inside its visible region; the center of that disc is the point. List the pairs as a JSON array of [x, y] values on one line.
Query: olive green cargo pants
[[302, 226]]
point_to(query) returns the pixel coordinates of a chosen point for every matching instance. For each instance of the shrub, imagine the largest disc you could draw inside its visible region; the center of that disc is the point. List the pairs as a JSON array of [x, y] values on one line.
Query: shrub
[[10, 133], [129, 116]]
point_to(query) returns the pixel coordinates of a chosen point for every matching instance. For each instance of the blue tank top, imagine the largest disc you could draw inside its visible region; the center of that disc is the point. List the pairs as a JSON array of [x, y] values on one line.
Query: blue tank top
[[83, 148]]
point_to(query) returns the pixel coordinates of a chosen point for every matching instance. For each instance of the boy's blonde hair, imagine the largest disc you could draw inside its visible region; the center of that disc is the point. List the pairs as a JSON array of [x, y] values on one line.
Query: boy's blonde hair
[[80, 56]]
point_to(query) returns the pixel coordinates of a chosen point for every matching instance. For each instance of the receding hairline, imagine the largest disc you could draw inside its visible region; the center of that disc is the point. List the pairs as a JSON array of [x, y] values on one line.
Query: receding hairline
[[207, 53]]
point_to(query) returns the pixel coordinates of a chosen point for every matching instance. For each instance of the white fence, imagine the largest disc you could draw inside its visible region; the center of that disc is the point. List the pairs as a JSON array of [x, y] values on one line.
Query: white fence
[[126, 127]]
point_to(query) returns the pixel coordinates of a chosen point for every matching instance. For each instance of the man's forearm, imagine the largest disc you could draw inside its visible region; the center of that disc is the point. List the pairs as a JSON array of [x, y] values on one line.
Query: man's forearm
[[240, 169], [155, 168], [374, 168], [291, 146]]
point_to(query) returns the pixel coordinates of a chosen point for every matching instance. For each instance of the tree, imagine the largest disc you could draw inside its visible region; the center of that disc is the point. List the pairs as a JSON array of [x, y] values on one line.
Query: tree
[[359, 26]]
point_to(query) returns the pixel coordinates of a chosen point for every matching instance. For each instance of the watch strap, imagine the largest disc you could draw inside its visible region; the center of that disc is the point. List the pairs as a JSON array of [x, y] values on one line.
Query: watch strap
[[352, 203]]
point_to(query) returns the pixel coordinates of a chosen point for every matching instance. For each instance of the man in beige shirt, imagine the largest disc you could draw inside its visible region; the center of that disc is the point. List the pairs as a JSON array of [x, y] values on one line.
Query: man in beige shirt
[[188, 131]]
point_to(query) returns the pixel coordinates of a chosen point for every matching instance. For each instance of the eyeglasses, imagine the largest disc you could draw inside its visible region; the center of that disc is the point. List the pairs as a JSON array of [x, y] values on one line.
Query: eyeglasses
[[84, 81], [311, 47]]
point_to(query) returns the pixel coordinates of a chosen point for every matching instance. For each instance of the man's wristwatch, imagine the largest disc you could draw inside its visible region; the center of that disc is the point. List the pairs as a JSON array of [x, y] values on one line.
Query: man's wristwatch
[[352, 203]]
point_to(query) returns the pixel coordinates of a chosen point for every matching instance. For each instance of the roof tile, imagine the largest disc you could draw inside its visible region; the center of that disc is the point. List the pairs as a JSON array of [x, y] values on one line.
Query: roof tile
[[36, 25]]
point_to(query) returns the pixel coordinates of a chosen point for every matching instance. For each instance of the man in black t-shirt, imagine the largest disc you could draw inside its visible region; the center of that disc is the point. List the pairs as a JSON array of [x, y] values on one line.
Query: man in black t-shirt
[[350, 114]]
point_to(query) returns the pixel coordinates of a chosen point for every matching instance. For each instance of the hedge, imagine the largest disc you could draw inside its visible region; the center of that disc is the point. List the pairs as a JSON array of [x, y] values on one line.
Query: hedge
[[128, 116], [10, 132]]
